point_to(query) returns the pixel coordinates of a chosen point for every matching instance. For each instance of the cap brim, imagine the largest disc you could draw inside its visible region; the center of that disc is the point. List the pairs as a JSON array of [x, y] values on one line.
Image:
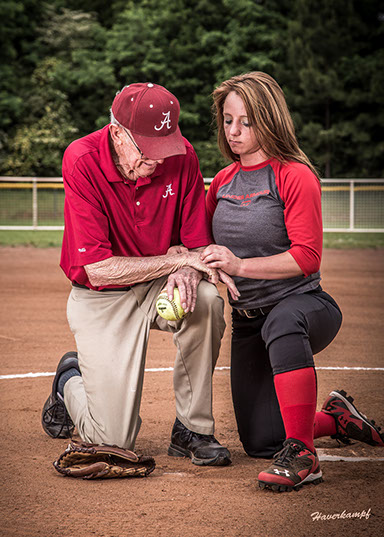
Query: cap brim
[[159, 147]]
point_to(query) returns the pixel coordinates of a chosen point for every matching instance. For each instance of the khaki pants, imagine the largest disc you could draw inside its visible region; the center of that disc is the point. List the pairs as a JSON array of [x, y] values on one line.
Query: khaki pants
[[111, 330]]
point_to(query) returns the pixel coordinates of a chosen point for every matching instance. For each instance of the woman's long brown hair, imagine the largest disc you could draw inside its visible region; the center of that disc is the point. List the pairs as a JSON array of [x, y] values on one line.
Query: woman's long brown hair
[[268, 114]]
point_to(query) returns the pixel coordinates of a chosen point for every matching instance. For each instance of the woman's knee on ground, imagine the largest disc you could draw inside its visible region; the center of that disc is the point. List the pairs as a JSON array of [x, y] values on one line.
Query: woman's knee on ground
[[261, 447]]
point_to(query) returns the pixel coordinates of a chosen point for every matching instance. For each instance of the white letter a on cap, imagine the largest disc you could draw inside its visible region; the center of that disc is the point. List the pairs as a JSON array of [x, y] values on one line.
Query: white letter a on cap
[[166, 121]]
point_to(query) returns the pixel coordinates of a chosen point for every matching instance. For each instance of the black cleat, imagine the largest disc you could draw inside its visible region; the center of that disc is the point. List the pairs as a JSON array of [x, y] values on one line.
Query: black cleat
[[350, 423], [294, 466], [202, 449], [55, 419]]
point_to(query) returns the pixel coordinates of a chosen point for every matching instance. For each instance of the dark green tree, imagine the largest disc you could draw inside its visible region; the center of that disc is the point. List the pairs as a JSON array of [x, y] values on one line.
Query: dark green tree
[[62, 62], [38, 145], [170, 44], [249, 37], [68, 92], [19, 55], [333, 72], [78, 40]]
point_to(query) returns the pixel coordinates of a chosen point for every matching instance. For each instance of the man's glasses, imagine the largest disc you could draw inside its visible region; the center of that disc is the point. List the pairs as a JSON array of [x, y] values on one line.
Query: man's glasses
[[134, 143]]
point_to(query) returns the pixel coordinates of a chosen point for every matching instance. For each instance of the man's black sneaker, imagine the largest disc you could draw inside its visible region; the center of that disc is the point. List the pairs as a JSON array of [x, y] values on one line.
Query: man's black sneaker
[[203, 449], [55, 419]]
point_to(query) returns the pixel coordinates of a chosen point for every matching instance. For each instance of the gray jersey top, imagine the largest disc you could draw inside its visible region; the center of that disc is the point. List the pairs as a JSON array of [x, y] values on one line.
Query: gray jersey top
[[250, 218]]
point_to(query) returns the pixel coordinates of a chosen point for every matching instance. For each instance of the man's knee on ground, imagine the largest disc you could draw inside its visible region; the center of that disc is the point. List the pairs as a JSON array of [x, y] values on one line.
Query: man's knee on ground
[[108, 434]]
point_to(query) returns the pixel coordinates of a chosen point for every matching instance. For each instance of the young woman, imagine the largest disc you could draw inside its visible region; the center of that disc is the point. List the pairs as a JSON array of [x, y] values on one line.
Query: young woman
[[265, 210]]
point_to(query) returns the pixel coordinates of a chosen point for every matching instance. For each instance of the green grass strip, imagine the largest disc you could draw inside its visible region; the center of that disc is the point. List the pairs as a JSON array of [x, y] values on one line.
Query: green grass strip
[[38, 239], [48, 239]]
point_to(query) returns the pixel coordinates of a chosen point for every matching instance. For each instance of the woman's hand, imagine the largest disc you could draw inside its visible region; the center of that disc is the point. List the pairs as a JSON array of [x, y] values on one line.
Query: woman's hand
[[220, 257]]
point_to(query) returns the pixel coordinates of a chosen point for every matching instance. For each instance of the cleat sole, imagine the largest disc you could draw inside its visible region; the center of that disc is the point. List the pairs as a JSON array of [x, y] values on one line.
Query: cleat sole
[[263, 485], [360, 435]]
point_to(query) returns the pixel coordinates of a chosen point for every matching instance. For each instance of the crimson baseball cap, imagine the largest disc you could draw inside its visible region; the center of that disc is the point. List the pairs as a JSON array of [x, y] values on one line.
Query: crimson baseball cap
[[151, 113]]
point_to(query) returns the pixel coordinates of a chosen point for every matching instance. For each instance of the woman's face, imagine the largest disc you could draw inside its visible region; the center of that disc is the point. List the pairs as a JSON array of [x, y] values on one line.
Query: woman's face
[[239, 132]]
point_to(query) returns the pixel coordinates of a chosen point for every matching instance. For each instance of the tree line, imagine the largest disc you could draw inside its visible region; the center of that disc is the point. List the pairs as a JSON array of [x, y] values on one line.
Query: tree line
[[62, 62]]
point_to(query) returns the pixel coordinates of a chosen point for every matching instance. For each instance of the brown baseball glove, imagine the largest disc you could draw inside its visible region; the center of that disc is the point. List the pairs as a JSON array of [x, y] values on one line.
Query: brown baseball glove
[[92, 461]]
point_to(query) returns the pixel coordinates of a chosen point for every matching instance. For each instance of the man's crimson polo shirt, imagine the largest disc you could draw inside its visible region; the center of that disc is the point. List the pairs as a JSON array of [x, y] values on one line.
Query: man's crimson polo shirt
[[106, 215]]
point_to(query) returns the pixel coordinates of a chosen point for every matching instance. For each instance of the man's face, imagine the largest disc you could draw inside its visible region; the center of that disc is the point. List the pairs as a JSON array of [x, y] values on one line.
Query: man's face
[[132, 161]]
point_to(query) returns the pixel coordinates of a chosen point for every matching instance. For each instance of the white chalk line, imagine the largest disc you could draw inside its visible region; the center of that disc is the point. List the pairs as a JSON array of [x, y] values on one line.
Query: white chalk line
[[7, 337], [322, 457], [163, 369], [326, 457], [336, 458]]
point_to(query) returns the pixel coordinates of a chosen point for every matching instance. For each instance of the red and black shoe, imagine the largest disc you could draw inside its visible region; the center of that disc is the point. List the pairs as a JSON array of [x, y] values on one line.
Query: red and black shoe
[[350, 423], [294, 466]]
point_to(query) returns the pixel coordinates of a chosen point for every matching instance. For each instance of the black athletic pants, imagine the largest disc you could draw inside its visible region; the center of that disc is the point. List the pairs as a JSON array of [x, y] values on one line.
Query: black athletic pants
[[283, 340]]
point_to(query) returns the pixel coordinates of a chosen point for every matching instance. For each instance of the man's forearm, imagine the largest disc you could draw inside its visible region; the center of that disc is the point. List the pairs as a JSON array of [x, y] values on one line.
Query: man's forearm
[[129, 270]]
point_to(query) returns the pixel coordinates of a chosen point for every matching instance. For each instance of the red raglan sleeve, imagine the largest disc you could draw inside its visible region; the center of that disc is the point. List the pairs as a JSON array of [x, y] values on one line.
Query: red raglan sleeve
[[300, 191], [211, 200], [222, 178]]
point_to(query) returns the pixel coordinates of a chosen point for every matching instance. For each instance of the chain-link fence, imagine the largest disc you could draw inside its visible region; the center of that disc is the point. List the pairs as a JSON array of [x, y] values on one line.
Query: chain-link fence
[[37, 203]]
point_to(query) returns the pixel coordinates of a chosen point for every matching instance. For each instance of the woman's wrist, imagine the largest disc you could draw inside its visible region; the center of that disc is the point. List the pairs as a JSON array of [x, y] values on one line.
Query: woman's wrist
[[240, 268]]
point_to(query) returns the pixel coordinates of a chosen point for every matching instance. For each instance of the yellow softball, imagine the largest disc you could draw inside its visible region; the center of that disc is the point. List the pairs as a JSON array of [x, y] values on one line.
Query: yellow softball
[[170, 309]]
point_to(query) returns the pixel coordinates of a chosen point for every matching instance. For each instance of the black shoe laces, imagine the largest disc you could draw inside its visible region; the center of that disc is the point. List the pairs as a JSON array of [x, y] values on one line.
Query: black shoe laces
[[187, 436], [287, 454], [57, 413]]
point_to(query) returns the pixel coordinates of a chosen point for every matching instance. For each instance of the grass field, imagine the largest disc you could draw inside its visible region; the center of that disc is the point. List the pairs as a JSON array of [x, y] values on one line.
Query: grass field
[[47, 239]]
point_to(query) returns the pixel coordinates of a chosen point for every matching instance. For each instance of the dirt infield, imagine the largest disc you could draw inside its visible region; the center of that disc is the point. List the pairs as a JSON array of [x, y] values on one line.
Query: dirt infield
[[180, 499]]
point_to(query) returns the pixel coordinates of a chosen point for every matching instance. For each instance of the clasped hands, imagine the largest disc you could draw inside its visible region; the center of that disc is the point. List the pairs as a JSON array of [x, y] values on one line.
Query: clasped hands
[[221, 258], [214, 262]]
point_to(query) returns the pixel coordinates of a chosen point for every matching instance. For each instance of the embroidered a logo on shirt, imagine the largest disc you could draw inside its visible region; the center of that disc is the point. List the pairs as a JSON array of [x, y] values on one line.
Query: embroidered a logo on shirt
[[81, 250], [168, 191], [166, 121]]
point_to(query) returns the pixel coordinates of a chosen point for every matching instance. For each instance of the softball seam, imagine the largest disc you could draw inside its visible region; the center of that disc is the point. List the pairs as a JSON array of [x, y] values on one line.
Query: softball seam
[[175, 311]]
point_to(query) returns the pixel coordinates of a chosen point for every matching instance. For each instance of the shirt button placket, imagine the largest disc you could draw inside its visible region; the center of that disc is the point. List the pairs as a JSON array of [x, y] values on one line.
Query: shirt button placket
[[137, 203]]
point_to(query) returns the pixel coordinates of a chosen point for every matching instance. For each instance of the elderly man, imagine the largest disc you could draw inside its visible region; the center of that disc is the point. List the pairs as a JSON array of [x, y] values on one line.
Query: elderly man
[[134, 223]]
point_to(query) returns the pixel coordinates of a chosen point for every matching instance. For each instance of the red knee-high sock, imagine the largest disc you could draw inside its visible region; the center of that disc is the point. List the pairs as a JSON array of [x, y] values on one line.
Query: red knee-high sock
[[296, 392], [325, 425]]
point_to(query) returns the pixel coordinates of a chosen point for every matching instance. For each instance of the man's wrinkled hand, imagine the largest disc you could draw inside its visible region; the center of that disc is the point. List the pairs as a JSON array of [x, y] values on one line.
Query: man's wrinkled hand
[[178, 249], [225, 278], [186, 280], [193, 259]]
